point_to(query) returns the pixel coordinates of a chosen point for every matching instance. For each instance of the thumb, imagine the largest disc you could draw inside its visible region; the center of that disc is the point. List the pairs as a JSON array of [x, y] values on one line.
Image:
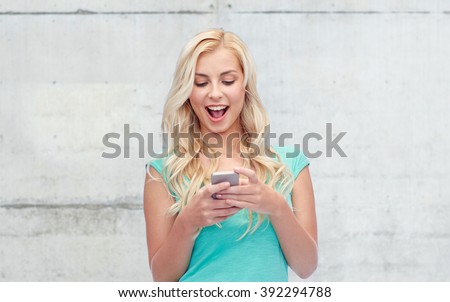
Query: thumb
[[217, 187]]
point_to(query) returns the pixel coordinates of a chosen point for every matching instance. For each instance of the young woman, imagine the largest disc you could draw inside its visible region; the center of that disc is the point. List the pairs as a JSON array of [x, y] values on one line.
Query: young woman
[[249, 232]]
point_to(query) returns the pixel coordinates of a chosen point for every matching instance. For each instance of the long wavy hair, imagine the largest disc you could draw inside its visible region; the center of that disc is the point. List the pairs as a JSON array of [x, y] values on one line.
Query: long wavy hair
[[185, 174]]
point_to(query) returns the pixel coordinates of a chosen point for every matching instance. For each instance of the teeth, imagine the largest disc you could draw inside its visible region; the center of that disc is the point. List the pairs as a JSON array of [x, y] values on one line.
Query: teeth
[[216, 107]]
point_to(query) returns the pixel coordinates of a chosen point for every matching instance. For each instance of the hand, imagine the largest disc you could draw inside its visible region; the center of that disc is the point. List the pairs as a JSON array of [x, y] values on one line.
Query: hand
[[203, 210], [253, 195]]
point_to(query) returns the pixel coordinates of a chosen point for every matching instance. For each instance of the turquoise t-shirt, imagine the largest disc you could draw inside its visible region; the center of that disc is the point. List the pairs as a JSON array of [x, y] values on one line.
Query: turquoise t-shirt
[[218, 255]]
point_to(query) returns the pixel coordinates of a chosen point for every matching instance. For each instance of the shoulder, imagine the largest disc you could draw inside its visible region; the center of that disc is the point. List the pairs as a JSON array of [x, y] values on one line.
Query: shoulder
[[156, 163], [159, 162], [293, 157]]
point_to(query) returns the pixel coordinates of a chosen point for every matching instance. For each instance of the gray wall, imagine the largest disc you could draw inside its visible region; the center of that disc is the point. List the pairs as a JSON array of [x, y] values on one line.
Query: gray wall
[[72, 71]]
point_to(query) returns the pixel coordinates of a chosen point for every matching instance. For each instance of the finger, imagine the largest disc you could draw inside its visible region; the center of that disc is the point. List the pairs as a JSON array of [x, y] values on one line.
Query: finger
[[211, 189], [236, 190], [240, 203], [244, 198], [217, 204], [252, 178], [243, 182], [226, 212]]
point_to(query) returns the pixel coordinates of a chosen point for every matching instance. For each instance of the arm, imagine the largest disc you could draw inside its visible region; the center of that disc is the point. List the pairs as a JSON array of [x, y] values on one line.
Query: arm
[[296, 231], [170, 239], [169, 242]]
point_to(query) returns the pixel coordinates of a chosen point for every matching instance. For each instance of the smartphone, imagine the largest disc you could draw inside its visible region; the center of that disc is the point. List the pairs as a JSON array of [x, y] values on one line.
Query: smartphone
[[225, 176]]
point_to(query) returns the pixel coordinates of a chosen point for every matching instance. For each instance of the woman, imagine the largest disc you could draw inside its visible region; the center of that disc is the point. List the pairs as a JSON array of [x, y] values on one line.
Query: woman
[[250, 232]]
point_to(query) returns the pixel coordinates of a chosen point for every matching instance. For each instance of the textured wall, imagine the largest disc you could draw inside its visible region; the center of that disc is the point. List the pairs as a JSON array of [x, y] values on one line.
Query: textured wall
[[72, 71]]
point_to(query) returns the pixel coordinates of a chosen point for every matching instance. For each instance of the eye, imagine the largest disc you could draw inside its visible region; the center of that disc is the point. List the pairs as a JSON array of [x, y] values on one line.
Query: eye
[[203, 84], [228, 83]]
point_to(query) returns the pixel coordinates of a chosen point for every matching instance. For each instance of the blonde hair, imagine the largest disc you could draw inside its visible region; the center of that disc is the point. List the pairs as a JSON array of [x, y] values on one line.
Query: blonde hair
[[185, 174]]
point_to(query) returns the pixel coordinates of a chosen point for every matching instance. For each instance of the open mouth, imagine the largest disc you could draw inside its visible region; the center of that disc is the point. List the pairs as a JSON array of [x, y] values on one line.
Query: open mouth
[[216, 112]]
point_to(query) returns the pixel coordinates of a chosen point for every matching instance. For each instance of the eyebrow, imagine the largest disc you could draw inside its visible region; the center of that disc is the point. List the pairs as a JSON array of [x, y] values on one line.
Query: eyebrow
[[223, 73]]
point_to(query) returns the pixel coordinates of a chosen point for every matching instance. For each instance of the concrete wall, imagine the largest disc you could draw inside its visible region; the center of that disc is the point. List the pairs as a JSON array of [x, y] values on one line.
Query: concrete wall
[[72, 71]]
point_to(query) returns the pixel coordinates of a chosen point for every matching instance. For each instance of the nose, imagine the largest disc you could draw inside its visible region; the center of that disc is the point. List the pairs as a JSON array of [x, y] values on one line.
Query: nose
[[215, 93]]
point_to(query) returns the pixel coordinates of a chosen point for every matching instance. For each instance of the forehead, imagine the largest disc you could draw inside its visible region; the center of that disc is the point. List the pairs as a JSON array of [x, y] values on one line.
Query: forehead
[[216, 61]]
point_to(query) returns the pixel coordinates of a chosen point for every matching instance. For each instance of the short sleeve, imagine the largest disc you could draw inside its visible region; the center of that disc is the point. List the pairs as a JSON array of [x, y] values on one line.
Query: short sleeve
[[300, 162], [293, 157], [157, 164]]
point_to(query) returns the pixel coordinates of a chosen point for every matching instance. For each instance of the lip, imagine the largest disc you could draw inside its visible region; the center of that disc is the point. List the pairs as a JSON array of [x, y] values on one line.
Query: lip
[[216, 120]]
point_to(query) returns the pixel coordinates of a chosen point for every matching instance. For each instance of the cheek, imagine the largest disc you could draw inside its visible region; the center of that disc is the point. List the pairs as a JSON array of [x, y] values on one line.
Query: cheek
[[197, 97], [238, 96]]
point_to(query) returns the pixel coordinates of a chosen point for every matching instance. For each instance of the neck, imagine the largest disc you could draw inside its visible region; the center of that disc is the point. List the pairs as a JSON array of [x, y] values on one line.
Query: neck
[[228, 144]]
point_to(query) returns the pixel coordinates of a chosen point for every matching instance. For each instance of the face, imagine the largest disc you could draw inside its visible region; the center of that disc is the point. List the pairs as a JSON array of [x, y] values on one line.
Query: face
[[218, 93]]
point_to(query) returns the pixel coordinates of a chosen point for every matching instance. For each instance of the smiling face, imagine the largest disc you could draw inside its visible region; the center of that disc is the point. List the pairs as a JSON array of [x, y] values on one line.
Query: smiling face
[[218, 93]]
